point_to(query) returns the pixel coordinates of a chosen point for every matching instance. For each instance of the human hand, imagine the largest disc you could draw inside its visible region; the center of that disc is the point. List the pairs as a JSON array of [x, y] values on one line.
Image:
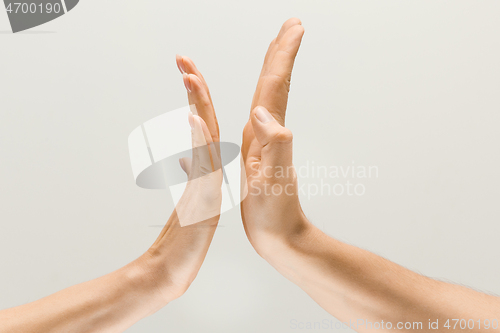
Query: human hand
[[271, 211], [174, 259], [202, 197], [115, 301]]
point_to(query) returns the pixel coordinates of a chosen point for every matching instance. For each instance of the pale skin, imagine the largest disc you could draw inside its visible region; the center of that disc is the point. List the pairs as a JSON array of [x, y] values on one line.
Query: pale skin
[[114, 302], [348, 282]]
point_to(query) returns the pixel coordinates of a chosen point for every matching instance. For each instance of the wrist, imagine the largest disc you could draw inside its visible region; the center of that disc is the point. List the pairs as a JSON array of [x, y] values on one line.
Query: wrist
[[288, 254], [274, 246], [151, 281], [171, 264]]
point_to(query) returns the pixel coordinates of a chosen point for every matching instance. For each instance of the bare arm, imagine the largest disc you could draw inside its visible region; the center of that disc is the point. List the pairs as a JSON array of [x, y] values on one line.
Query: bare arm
[[350, 283], [114, 302], [359, 287]]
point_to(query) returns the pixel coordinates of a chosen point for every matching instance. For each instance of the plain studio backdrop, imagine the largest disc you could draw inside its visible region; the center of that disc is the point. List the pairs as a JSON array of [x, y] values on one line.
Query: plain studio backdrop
[[409, 87]]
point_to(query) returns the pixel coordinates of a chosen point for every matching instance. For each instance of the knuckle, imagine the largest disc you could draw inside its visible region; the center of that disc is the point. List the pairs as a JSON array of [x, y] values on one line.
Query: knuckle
[[276, 82], [206, 104], [283, 135]]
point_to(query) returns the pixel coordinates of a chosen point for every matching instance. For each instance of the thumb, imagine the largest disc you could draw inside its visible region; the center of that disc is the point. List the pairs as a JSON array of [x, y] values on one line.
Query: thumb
[[276, 140]]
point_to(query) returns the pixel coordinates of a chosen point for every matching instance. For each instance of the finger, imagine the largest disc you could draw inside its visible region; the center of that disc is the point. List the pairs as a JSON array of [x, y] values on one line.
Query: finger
[[276, 84], [186, 65], [198, 96], [248, 137], [268, 59], [275, 140], [185, 163], [284, 58], [201, 140], [272, 90], [212, 146], [214, 156], [269, 55], [276, 42], [189, 67], [180, 64], [289, 24]]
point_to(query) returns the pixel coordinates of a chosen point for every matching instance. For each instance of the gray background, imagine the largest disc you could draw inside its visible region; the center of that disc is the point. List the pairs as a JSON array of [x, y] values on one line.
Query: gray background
[[411, 87]]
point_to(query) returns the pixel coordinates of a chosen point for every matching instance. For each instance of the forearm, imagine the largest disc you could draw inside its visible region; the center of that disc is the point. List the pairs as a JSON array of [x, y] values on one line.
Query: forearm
[[116, 301], [352, 284], [110, 303], [179, 252]]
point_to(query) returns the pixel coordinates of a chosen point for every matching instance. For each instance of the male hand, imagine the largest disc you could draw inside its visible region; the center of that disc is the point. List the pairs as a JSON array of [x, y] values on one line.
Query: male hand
[[271, 211]]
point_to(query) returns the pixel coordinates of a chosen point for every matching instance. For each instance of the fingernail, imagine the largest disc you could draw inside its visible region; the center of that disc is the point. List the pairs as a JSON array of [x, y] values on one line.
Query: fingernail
[[180, 64], [263, 115], [187, 82], [191, 120]]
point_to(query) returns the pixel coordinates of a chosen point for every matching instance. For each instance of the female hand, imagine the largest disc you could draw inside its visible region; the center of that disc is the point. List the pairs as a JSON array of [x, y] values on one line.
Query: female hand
[[115, 301], [177, 255]]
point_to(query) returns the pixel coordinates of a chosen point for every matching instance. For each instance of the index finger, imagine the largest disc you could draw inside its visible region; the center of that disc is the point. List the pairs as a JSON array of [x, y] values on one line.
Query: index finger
[[198, 93], [274, 84]]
